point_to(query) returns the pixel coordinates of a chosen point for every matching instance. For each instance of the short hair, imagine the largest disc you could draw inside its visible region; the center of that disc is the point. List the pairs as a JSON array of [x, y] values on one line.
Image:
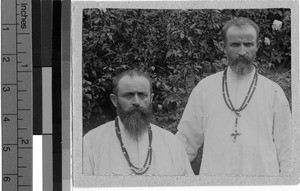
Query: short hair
[[239, 22], [130, 73]]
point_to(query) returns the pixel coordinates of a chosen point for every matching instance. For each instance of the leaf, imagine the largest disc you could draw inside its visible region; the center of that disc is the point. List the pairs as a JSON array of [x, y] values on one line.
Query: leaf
[[88, 95], [181, 35], [110, 36], [182, 90], [167, 87], [198, 31], [169, 53], [191, 27]]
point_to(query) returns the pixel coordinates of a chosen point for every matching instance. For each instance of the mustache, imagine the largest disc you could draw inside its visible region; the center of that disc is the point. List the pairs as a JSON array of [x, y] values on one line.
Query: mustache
[[242, 59], [137, 109]]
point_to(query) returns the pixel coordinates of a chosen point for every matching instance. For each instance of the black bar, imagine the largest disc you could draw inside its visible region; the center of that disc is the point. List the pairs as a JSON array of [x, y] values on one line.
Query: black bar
[[37, 101], [46, 33], [36, 32], [36, 63], [56, 96]]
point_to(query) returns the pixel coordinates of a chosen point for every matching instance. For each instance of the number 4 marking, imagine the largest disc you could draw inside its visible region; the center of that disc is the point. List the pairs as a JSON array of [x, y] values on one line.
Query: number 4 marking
[[6, 119]]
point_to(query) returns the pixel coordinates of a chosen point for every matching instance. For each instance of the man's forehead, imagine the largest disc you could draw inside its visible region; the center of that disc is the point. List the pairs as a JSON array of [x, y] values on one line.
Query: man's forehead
[[136, 83], [245, 31]]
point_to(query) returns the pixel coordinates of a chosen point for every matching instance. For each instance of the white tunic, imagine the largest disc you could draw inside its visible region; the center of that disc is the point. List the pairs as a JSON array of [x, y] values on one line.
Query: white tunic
[[264, 146], [102, 154]]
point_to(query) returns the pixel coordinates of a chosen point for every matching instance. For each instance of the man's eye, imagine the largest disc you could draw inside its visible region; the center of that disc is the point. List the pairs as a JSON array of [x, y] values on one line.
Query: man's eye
[[128, 96], [235, 44], [248, 44], [142, 95]]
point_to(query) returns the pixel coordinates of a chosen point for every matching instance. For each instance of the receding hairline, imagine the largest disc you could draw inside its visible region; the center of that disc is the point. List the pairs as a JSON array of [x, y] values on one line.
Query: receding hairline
[[241, 28], [131, 74], [241, 23], [132, 77]]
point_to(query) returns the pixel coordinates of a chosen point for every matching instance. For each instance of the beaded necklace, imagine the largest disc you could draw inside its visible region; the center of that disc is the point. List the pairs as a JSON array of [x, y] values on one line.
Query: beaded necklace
[[244, 104], [147, 164]]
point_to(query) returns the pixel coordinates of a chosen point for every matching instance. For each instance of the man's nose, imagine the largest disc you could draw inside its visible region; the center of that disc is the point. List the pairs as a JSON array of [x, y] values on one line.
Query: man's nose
[[242, 51], [136, 100]]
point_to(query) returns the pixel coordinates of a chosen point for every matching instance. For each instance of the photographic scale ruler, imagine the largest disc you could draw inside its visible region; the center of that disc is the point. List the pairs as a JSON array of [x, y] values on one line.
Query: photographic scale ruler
[[16, 95]]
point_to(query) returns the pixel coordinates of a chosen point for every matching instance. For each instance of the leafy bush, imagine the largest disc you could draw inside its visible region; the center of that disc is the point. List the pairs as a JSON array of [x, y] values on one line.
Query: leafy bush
[[177, 48]]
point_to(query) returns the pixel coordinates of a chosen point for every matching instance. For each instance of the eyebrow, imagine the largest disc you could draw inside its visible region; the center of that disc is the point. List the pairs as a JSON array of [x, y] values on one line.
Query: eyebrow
[[133, 92], [238, 42]]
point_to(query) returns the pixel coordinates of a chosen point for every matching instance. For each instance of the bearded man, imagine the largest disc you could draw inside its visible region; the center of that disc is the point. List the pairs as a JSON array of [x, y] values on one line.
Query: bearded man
[[131, 145], [242, 118]]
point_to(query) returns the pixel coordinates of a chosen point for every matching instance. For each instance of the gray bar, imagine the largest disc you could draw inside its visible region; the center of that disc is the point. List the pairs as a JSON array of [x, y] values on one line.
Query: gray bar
[[47, 163], [66, 165], [47, 99]]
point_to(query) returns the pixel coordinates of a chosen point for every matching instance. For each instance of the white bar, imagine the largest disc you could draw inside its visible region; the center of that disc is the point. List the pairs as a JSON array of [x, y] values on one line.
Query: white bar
[[37, 161]]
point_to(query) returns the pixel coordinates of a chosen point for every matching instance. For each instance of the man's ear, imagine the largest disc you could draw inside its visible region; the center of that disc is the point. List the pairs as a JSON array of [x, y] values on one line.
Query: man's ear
[[222, 46], [114, 99], [258, 44], [151, 97]]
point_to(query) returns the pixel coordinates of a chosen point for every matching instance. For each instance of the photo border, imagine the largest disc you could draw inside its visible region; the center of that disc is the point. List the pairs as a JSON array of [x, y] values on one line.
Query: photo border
[[76, 124]]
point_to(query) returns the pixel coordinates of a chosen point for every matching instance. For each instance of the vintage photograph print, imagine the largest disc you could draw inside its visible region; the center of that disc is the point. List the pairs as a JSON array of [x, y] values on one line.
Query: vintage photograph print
[[184, 94]]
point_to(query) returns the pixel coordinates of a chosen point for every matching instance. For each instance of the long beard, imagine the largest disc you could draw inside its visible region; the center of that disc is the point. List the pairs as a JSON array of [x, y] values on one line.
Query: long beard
[[136, 120], [242, 65]]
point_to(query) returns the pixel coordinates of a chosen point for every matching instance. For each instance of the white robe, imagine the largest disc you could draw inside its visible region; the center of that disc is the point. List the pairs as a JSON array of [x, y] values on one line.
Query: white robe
[[102, 154], [264, 146]]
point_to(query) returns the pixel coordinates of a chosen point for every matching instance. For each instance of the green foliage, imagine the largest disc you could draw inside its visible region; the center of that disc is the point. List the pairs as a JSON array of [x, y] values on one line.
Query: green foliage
[[177, 48]]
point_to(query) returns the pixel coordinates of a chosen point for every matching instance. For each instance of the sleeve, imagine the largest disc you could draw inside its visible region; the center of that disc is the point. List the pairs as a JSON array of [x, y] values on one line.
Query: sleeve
[[190, 128], [187, 165], [183, 164], [87, 162], [282, 131]]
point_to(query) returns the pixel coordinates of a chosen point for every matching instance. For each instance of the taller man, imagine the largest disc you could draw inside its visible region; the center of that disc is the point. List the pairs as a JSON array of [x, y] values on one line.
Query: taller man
[[243, 118]]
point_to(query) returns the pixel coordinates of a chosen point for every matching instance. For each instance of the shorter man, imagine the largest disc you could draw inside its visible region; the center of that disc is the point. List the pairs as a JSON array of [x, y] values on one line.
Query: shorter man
[[130, 144]]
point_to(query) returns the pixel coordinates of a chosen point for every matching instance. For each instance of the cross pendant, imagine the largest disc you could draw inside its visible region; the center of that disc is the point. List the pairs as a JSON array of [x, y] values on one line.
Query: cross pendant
[[235, 134]]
